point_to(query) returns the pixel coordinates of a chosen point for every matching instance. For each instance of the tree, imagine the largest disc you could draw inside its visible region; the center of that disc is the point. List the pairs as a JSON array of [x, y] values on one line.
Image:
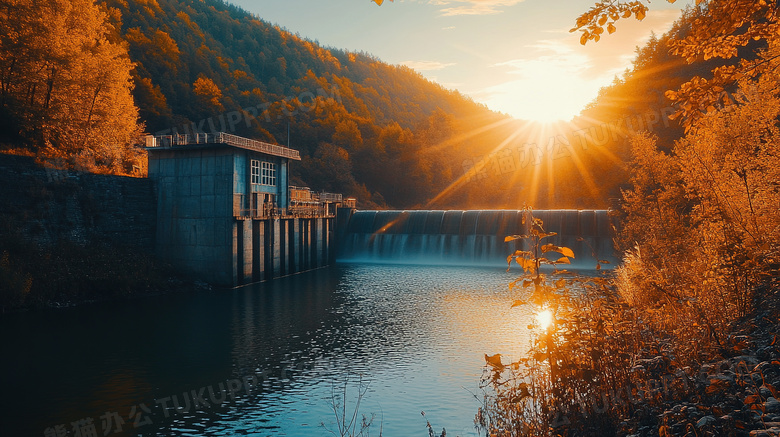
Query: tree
[[208, 93], [330, 169], [348, 135], [700, 226], [66, 84], [718, 29]]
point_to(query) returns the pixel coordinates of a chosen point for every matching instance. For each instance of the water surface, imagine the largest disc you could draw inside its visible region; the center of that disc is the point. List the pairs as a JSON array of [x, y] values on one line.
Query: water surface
[[415, 336]]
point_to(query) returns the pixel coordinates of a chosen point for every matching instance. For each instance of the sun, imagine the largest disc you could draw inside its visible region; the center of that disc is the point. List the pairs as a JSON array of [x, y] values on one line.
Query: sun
[[544, 318], [544, 91]]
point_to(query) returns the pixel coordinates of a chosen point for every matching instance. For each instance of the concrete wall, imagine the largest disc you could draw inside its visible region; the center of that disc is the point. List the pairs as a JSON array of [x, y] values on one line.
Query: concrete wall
[[198, 232], [195, 228], [46, 205]]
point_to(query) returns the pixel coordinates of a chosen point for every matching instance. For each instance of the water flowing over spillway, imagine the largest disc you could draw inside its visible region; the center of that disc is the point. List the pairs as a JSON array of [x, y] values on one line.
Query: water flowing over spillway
[[471, 237]]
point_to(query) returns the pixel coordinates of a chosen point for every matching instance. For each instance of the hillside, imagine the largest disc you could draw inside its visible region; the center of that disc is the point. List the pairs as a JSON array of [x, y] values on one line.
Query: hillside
[[379, 132], [361, 125]]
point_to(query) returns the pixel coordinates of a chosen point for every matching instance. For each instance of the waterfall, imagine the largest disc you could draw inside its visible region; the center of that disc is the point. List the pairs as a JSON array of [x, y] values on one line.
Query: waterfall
[[471, 237]]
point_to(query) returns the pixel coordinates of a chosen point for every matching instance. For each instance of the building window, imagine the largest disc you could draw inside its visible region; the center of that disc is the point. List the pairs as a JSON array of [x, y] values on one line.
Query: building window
[[268, 175], [255, 171]]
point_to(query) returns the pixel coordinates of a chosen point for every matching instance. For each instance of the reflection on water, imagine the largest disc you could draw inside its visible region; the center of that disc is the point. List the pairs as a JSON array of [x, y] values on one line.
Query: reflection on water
[[273, 352]]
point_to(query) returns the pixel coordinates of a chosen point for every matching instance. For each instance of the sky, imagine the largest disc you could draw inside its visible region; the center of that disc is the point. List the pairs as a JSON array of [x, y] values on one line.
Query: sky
[[516, 56]]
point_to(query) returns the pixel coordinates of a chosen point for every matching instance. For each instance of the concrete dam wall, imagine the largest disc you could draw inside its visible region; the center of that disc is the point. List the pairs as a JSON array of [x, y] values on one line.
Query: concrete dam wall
[[470, 237]]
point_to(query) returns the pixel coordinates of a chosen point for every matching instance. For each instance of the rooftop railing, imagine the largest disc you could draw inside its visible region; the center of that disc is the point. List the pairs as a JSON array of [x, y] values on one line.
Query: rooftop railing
[[168, 141], [330, 197]]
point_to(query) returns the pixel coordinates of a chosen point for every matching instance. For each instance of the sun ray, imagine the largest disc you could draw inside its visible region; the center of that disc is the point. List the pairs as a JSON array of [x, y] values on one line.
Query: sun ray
[[463, 179]]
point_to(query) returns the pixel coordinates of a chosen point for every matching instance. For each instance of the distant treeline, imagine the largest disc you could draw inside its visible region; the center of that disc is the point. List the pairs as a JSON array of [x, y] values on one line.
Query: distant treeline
[[379, 132]]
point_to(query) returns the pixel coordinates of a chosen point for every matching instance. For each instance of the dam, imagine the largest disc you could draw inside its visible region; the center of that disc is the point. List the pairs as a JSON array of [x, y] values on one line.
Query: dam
[[470, 237], [226, 214]]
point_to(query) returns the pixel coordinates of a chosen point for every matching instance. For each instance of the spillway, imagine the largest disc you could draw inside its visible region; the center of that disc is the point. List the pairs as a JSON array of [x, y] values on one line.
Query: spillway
[[471, 237]]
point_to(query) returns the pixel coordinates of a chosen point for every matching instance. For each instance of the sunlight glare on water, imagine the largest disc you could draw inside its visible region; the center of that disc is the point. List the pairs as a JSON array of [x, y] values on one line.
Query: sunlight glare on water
[[415, 336]]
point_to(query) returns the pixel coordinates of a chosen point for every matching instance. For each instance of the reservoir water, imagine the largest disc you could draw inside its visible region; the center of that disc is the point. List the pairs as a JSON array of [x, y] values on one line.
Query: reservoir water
[[274, 359], [414, 335]]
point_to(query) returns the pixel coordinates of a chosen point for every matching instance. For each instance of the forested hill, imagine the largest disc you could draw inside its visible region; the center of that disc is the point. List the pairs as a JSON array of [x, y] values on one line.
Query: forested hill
[[382, 132], [360, 124], [75, 76], [243, 61]]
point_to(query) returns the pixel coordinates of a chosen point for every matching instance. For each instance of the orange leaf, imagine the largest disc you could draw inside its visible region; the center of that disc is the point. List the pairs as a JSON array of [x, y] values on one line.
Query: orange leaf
[[494, 361]]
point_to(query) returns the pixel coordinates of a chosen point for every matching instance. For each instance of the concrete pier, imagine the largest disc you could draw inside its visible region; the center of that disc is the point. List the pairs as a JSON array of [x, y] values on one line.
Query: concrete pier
[[276, 247]]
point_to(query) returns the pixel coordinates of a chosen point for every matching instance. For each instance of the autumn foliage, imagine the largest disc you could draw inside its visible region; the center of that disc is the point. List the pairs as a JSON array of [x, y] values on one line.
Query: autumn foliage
[[65, 84], [698, 286], [722, 29]]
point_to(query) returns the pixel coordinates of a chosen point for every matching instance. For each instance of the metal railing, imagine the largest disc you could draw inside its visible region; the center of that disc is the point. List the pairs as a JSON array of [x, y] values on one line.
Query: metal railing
[[306, 194], [256, 210], [245, 208], [330, 197], [167, 141]]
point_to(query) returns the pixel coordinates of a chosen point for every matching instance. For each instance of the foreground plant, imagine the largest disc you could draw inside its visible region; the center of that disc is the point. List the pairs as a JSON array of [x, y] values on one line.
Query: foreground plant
[[582, 348], [349, 421]]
